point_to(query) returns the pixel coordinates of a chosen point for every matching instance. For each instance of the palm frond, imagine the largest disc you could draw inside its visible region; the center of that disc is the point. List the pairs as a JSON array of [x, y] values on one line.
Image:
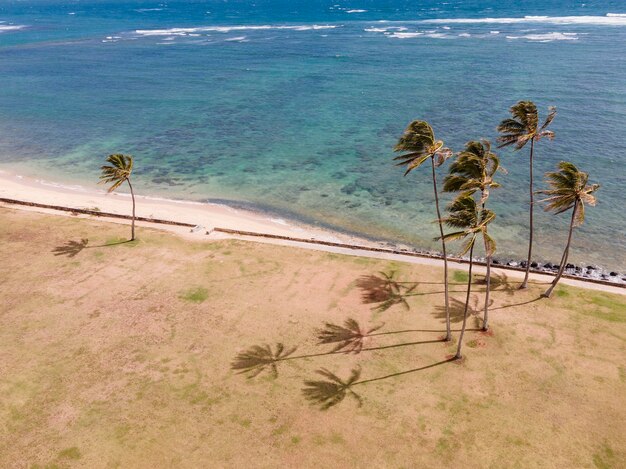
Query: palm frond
[[119, 170], [568, 188], [419, 141], [521, 127], [330, 392]]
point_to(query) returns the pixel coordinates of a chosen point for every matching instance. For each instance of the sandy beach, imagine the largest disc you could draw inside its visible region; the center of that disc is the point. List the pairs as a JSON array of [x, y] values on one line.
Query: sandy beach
[[208, 216], [205, 215]]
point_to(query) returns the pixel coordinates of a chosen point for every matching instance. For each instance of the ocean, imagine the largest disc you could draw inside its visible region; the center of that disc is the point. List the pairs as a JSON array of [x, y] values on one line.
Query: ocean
[[293, 107]]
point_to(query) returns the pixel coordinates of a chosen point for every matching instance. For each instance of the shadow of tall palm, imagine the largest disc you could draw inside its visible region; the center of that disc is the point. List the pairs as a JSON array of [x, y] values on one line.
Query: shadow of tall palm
[[500, 282], [384, 291], [71, 248], [259, 358], [349, 337], [331, 391]]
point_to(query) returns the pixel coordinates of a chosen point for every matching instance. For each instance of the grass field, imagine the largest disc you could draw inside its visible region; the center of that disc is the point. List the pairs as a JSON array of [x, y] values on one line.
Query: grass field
[[118, 354]]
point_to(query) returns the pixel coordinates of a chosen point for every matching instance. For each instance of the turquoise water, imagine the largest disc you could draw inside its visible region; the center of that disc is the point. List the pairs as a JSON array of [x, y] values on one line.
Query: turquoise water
[[293, 107]]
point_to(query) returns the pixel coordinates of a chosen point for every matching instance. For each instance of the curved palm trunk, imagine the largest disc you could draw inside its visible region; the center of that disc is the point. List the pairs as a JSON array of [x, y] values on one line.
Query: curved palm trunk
[[445, 257], [132, 236], [548, 292], [488, 285], [469, 288], [531, 227], [487, 291]]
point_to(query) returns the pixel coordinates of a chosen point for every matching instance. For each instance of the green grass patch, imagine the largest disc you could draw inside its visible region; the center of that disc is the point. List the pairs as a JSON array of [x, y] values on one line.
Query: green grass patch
[[195, 295], [604, 458], [70, 453], [117, 240], [460, 276], [607, 307]]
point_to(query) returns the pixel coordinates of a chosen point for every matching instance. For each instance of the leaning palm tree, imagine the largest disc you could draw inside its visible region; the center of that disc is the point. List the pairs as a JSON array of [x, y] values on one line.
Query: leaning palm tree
[[420, 143], [117, 173], [569, 190], [472, 171], [518, 131], [465, 216], [333, 390]]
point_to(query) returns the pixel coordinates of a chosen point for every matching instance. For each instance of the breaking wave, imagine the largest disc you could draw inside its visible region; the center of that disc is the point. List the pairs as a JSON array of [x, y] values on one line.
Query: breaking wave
[[228, 29], [611, 19]]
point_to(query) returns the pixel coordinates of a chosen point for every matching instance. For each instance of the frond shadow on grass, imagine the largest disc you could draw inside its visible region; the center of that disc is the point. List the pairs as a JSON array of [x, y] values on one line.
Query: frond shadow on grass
[[73, 248], [457, 309], [384, 291], [349, 337], [259, 358]]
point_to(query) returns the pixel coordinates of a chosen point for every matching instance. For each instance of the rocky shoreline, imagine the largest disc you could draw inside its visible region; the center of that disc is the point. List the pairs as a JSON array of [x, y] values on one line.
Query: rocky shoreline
[[584, 271]]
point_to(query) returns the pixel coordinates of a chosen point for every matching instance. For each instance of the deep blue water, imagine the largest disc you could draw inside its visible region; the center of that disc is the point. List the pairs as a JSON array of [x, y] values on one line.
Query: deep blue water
[[293, 106]]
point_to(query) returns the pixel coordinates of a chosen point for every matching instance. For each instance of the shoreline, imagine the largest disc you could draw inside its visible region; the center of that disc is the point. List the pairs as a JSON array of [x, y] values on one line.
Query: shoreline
[[191, 219]]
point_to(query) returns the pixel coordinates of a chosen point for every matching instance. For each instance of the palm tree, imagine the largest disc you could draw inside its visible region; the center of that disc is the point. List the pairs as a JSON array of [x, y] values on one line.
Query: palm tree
[[420, 143], [471, 222], [330, 392], [569, 190], [119, 171], [261, 357], [473, 170], [518, 131]]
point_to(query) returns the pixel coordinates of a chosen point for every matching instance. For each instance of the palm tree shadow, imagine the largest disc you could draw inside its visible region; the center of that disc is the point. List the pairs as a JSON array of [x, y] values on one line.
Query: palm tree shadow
[[457, 309], [73, 248], [500, 282], [333, 390], [383, 291]]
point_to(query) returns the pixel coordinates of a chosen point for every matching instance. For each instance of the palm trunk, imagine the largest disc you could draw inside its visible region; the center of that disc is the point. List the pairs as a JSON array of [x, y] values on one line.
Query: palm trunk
[[532, 207], [487, 291], [469, 288], [445, 257], [548, 292], [488, 284], [132, 236]]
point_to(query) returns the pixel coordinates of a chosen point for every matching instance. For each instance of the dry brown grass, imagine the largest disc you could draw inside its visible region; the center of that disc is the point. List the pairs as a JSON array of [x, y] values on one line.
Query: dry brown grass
[[119, 356]]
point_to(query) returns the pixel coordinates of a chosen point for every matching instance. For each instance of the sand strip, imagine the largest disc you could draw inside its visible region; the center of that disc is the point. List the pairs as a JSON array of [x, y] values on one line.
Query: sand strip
[[219, 221]]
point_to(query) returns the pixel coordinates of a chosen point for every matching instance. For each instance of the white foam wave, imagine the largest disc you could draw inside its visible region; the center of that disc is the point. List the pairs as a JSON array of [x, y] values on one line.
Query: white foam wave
[[11, 27], [384, 30], [611, 19], [548, 37], [405, 35], [228, 29], [356, 11], [236, 39]]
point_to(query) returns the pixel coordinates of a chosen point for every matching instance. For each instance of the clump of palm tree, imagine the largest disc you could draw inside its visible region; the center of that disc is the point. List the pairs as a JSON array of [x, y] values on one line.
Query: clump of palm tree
[[522, 128], [569, 190], [473, 170], [259, 358], [118, 172], [470, 222], [349, 337], [333, 390], [420, 144]]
